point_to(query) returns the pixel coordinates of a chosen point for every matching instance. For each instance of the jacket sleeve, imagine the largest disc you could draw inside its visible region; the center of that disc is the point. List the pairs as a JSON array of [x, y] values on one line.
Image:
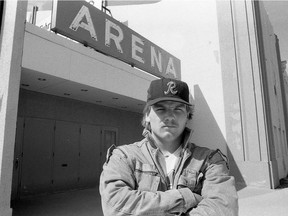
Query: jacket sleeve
[[119, 195], [218, 191]]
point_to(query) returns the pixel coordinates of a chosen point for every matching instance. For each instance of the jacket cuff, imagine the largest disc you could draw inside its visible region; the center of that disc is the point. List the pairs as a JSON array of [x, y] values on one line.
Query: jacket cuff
[[191, 199]]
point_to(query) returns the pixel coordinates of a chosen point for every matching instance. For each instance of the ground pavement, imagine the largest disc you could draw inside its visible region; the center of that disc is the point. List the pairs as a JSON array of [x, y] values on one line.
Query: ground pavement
[[252, 202]]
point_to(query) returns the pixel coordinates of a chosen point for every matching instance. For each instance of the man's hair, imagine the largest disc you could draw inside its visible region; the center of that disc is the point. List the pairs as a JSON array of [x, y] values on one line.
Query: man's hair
[[147, 109]]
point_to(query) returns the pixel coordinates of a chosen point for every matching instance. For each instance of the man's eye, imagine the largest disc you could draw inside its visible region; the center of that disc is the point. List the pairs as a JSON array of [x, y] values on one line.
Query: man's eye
[[159, 109], [179, 109]]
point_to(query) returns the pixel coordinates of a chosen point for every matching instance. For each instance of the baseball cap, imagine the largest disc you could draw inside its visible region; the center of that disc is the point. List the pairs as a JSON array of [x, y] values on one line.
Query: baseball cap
[[168, 89]]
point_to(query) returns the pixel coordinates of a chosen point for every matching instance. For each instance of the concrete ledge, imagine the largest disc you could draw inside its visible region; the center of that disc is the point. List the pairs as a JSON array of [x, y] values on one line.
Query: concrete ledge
[[5, 211], [251, 173], [269, 203]]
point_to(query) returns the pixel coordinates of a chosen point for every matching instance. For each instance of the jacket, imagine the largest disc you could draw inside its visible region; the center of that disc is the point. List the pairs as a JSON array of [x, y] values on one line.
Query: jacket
[[133, 183]]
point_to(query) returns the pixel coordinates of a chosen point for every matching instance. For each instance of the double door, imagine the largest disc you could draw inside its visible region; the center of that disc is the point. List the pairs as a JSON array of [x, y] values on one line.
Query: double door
[[52, 156]]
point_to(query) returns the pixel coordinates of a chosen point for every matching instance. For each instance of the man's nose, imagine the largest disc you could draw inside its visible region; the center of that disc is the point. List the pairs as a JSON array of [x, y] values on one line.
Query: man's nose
[[169, 115]]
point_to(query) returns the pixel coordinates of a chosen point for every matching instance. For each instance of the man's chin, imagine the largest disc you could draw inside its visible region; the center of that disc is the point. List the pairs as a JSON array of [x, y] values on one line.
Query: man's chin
[[168, 135]]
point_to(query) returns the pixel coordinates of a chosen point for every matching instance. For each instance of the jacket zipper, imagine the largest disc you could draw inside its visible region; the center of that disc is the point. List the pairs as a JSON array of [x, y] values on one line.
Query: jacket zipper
[[179, 167]]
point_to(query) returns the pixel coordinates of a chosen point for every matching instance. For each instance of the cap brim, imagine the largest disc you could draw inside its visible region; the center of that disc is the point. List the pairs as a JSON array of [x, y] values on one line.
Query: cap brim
[[152, 102]]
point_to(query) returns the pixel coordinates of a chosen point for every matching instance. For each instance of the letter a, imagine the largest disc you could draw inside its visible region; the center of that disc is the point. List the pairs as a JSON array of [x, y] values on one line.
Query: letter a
[[170, 67], [77, 22]]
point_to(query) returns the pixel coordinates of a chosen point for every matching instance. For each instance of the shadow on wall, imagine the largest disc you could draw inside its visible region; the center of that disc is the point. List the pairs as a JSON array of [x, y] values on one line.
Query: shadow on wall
[[208, 134]]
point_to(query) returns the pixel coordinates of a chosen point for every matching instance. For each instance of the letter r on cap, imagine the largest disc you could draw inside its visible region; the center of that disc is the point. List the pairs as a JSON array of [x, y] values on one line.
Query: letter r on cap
[[171, 88]]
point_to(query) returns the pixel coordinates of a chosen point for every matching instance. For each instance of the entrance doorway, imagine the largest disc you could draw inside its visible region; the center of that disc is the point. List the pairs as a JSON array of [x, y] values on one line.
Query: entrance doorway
[[52, 156]]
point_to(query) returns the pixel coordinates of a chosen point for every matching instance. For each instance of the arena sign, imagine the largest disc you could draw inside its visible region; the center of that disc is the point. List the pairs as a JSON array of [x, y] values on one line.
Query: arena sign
[[88, 25]]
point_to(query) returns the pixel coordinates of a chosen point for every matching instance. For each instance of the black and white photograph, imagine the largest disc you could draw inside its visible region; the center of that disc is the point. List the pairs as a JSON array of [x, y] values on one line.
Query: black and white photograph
[[143, 107]]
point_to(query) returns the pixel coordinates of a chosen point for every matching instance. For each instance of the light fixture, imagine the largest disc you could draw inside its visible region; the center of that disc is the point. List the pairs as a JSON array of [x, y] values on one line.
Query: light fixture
[[115, 98], [84, 90], [42, 79]]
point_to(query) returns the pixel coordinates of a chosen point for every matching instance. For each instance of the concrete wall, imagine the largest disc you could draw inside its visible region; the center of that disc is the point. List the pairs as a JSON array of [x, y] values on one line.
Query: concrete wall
[[279, 154], [11, 46], [245, 107], [285, 79], [235, 104]]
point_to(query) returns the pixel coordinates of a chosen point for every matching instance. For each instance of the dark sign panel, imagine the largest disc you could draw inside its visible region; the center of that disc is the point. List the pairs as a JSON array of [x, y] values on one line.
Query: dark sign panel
[[86, 24]]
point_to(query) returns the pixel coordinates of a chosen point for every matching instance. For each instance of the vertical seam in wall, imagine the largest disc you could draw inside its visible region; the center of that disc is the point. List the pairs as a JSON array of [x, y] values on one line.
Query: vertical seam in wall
[[19, 183], [263, 81], [237, 73], [253, 81]]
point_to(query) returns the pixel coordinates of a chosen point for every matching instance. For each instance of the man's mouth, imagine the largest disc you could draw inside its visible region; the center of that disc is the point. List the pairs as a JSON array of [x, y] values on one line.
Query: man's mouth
[[170, 126]]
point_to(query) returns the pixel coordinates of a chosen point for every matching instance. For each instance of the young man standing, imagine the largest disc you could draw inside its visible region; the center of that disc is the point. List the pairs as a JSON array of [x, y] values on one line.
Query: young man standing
[[165, 174]]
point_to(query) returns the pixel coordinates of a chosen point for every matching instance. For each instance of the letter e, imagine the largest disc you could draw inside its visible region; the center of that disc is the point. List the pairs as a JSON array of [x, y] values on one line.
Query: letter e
[[136, 48]]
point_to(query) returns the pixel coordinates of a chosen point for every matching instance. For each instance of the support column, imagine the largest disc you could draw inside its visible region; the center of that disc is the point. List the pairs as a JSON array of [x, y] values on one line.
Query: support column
[[246, 110], [11, 49]]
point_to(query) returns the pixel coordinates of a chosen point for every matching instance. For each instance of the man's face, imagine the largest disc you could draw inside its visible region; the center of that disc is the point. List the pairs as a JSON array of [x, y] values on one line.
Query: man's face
[[167, 120]]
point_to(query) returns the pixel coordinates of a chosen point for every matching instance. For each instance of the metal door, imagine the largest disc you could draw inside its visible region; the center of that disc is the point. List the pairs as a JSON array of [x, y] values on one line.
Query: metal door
[[90, 141], [66, 156], [37, 156]]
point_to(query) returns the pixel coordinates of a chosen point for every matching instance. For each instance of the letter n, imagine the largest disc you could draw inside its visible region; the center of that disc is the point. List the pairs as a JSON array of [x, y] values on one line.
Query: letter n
[[156, 60]]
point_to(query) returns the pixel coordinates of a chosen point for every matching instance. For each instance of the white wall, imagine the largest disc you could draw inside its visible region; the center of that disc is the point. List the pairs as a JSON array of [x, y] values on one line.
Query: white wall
[[275, 95], [203, 74], [11, 44]]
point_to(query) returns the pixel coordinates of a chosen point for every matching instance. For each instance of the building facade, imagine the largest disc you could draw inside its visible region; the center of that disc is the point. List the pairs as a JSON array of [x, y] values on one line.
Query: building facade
[[254, 99], [63, 102]]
